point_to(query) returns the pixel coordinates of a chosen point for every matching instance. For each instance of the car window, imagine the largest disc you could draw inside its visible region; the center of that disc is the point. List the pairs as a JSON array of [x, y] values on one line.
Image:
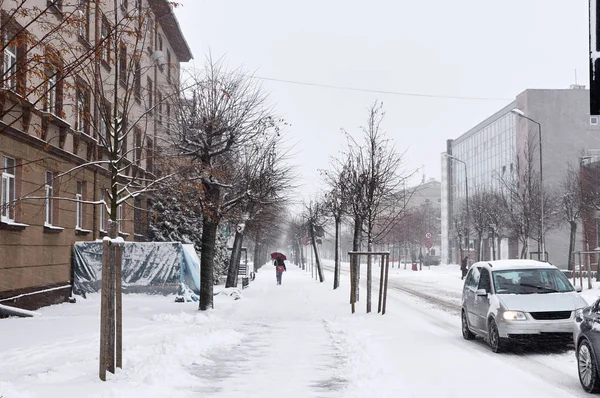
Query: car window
[[485, 281], [530, 281], [473, 278]]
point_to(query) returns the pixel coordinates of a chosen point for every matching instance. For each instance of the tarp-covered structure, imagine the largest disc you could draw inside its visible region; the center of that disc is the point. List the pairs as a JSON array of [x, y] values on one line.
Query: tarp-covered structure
[[148, 267]]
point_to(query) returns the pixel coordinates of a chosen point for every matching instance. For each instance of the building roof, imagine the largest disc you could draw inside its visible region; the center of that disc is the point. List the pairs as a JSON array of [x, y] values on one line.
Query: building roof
[[166, 17]]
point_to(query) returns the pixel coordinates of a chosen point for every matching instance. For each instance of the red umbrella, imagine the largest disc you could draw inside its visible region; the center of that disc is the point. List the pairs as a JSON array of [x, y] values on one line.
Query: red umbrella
[[277, 254]]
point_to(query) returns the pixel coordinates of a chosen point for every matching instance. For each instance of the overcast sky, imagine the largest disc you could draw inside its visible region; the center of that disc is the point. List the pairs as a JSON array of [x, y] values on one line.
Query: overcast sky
[[460, 48]]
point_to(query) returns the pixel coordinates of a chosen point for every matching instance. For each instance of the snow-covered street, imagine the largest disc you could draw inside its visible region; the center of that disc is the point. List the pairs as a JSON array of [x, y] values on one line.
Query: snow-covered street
[[297, 340]]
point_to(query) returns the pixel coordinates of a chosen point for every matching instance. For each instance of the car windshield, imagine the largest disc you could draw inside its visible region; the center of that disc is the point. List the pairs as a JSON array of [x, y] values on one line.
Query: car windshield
[[530, 281]]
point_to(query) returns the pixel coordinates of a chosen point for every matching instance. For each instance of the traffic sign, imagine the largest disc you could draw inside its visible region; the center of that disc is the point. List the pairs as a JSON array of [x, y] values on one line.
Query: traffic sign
[[428, 235], [428, 244]]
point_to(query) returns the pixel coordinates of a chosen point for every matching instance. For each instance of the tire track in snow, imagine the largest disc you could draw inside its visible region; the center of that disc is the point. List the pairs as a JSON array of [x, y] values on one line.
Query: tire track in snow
[[565, 381]]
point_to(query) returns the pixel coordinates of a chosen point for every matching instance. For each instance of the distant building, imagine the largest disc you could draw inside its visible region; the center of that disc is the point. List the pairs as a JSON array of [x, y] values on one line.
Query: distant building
[[490, 148]]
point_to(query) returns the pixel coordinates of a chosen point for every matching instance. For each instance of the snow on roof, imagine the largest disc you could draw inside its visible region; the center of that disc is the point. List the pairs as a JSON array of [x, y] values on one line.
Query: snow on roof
[[515, 263]]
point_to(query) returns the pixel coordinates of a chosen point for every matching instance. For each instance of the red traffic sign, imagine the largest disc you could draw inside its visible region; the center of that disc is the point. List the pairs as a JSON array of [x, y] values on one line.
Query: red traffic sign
[[428, 244]]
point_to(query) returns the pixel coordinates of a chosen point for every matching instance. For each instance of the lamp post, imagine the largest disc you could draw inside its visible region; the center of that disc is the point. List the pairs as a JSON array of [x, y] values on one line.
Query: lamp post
[[520, 113], [466, 197]]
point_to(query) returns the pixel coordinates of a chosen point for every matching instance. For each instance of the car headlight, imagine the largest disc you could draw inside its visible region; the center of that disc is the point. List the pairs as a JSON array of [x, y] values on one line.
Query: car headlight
[[514, 316], [579, 313]]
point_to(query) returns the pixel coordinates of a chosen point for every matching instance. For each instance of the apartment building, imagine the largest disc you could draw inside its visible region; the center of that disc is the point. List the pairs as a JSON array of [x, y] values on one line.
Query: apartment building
[[86, 85]]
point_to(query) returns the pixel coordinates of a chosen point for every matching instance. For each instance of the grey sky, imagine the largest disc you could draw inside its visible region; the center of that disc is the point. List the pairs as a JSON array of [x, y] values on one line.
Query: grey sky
[[463, 48]]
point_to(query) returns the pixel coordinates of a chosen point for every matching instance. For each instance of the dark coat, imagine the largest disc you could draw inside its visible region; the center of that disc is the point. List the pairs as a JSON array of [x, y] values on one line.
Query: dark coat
[[280, 262], [463, 264]]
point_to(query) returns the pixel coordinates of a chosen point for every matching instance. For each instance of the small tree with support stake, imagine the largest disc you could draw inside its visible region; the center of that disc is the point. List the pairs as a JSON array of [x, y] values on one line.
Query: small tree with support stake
[[383, 278]]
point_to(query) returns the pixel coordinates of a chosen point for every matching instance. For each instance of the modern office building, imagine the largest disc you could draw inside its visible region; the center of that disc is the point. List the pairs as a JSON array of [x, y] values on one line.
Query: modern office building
[[494, 148], [71, 68]]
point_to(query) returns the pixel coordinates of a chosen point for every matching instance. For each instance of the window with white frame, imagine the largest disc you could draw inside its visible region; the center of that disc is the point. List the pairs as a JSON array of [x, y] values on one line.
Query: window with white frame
[[8, 189], [49, 192], [105, 54], [79, 205], [83, 19], [10, 62], [103, 222], [51, 89], [120, 217]]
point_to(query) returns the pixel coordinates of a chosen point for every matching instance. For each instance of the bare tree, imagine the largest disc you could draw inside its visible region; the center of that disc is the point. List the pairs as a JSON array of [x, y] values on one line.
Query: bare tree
[[220, 112], [372, 185], [571, 206], [315, 215], [335, 206], [263, 180]]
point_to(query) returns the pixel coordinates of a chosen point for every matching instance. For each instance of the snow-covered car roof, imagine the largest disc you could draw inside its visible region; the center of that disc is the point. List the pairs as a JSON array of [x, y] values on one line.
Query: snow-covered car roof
[[514, 264]]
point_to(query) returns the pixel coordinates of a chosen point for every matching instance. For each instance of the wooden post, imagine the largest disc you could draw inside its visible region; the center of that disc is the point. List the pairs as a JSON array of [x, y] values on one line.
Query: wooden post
[[352, 289], [380, 286], [104, 310], [110, 357], [387, 269], [119, 305]]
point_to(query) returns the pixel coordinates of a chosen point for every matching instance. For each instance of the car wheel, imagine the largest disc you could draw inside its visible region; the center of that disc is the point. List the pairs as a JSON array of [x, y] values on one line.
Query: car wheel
[[466, 332], [496, 343], [586, 367]]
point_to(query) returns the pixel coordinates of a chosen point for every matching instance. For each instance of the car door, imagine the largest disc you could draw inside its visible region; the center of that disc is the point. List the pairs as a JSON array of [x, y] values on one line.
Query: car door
[[482, 303], [470, 288], [591, 326]]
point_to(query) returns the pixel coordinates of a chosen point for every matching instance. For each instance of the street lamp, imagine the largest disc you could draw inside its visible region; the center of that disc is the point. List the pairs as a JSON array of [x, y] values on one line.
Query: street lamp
[[520, 113], [466, 195]]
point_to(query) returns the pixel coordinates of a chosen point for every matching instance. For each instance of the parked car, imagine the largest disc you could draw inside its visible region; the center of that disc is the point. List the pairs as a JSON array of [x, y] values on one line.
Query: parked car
[[517, 299], [586, 336]]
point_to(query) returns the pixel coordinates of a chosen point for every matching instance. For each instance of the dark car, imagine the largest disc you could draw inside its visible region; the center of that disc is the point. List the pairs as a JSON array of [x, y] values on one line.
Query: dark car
[[586, 336]]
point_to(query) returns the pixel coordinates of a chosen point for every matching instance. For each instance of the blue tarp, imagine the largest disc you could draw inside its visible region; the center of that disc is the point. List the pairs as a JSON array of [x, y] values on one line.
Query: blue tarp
[[156, 267]]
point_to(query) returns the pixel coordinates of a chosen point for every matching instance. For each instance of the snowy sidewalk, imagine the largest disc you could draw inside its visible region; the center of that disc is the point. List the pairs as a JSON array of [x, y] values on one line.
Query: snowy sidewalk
[[296, 340]]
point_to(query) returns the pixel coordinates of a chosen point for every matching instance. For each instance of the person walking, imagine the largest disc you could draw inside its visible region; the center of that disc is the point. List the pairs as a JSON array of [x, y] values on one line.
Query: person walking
[[464, 267], [279, 268]]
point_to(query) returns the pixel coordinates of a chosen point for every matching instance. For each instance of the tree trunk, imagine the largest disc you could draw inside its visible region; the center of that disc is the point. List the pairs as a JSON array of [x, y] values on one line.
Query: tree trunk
[[336, 270], [255, 256], [210, 224], [355, 260], [493, 246], [234, 260], [369, 273], [317, 259], [573, 234], [524, 249]]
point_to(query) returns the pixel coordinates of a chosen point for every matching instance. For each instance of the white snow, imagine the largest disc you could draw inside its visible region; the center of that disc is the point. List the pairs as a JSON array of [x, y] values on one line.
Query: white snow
[[294, 340]]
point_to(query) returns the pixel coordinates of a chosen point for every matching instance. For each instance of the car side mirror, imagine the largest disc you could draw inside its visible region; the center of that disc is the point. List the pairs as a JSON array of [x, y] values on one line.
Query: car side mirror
[[482, 292], [578, 289]]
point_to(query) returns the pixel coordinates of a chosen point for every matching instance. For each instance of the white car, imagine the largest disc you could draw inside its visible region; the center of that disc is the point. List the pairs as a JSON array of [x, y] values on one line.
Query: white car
[[517, 299]]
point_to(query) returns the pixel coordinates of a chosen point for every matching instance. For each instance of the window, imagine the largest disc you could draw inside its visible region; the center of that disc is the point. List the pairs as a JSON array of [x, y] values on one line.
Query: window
[[594, 120], [79, 205], [473, 278], [137, 216], [81, 110], [150, 102], [160, 42], [123, 4], [137, 80], [10, 62], [119, 218], [168, 66], [55, 3], [8, 189], [49, 193], [150, 156], [168, 121], [159, 99], [103, 214], [485, 281], [51, 89], [123, 63], [83, 21], [138, 145], [105, 54]]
